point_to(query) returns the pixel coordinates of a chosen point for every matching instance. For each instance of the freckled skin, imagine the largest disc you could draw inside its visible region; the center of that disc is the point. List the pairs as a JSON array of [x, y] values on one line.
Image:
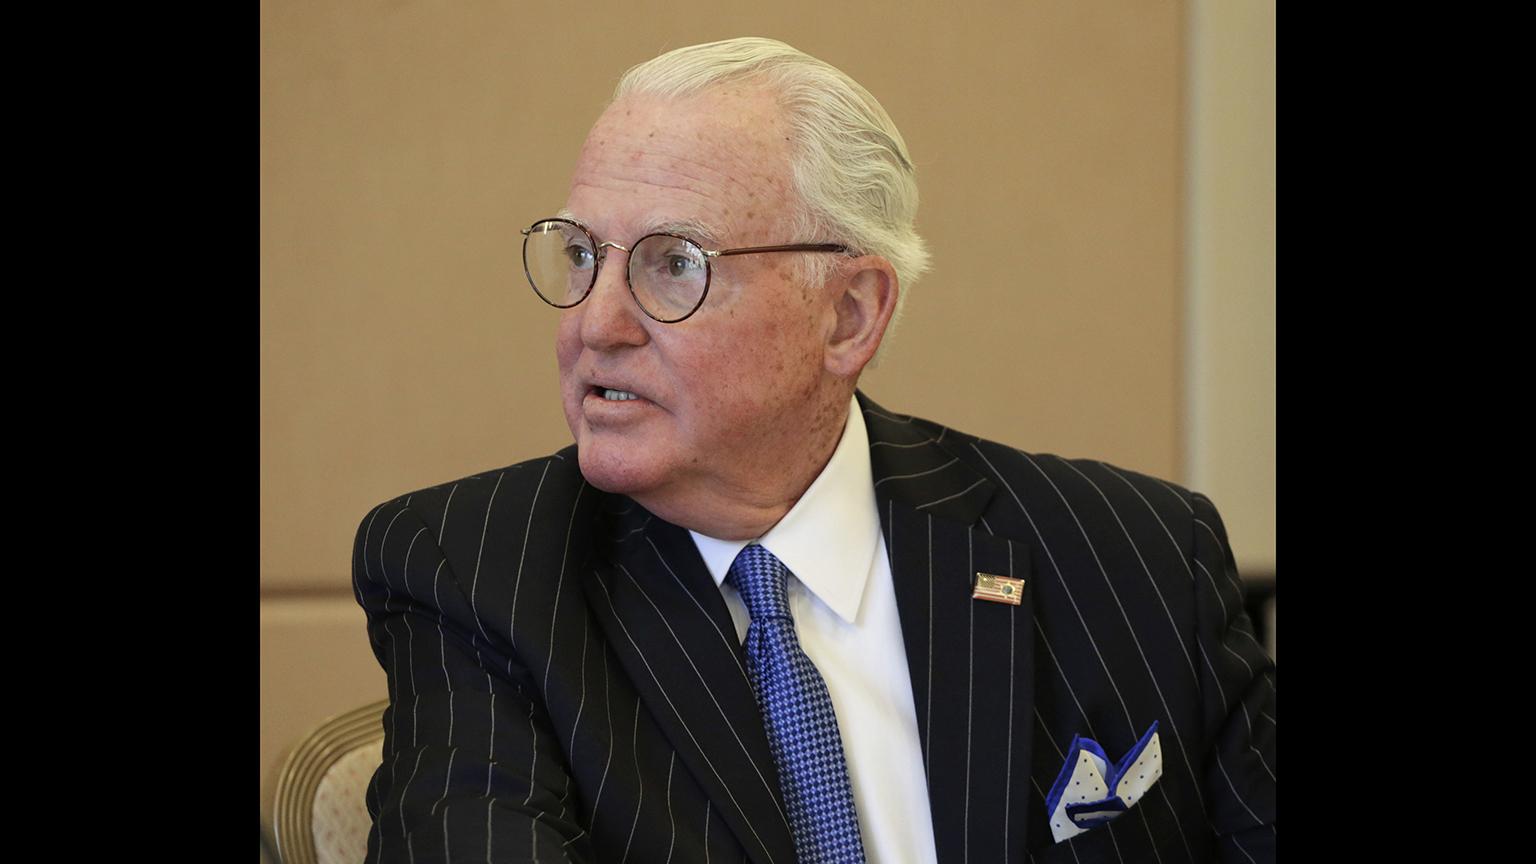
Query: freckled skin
[[740, 407]]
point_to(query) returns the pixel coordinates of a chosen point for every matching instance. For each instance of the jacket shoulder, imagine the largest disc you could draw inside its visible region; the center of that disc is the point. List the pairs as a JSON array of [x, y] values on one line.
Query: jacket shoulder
[[1092, 480], [460, 514], [1091, 490], [515, 480]]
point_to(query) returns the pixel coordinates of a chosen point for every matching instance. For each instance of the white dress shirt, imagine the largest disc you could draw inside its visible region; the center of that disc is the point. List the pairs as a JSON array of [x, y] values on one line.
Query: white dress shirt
[[844, 605]]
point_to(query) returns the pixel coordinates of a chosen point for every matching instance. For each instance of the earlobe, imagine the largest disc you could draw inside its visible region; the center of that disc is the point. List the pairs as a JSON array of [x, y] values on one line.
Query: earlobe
[[868, 290]]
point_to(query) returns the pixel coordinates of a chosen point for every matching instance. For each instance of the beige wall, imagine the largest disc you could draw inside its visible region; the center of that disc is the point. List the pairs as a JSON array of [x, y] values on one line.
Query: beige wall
[[403, 144]]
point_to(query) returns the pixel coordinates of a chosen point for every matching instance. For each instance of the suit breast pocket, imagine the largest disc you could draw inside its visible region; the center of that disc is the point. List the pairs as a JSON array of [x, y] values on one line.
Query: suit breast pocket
[[1089, 847], [1132, 840]]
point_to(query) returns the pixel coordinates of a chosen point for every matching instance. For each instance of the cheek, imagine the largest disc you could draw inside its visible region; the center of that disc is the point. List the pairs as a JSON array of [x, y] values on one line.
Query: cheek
[[568, 341], [748, 370]]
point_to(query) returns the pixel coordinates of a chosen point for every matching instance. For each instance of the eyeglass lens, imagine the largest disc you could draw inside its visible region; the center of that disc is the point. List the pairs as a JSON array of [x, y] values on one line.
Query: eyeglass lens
[[668, 275]]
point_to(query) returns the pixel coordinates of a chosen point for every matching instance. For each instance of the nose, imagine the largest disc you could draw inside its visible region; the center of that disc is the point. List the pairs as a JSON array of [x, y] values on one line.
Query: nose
[[610, 318]]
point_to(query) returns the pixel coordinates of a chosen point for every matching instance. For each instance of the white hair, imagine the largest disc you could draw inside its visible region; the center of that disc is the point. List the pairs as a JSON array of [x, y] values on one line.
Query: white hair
[[855, 182]]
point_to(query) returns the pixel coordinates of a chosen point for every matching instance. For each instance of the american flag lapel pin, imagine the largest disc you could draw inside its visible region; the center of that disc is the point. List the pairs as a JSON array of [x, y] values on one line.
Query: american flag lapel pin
[[998, 589]]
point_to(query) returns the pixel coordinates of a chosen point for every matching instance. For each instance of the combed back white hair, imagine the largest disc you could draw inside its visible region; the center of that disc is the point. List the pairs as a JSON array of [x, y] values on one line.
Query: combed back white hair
[[855, 182]]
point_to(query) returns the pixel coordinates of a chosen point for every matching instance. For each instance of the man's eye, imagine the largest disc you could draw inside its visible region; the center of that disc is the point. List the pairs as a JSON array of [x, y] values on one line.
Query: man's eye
[[681, 266], [580, 256]]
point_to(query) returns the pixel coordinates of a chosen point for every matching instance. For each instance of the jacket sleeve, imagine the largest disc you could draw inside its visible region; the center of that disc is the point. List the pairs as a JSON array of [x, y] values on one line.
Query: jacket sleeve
[[471, 767], [1238, 681]]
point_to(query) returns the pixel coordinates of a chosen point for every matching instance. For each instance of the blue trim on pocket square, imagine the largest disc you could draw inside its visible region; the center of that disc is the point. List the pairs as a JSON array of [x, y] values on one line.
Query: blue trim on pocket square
[[1090, 813], [1123, 767], [1075, 750], [1086, 814]]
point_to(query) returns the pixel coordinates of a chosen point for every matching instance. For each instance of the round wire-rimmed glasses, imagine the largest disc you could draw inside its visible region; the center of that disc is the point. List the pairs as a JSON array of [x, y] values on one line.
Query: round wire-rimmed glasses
[[668, 274]]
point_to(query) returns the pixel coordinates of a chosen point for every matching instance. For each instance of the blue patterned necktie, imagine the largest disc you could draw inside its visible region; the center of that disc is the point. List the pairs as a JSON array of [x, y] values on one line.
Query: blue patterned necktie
[[801, 725]]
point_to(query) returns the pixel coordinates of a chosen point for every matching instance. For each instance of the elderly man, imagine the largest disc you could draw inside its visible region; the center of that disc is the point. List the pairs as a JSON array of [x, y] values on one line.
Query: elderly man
[[751, 615]]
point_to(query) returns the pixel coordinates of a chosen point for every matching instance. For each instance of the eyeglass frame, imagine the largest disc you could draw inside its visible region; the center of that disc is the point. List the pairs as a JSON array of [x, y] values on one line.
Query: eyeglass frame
[[599, 256]]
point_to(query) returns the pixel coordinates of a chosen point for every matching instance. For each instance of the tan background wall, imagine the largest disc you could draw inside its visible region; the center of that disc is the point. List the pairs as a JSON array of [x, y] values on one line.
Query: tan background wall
[[403, 144]]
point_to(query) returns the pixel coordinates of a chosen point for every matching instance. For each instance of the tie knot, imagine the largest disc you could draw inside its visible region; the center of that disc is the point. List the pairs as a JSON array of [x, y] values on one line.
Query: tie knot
[[762, 580]]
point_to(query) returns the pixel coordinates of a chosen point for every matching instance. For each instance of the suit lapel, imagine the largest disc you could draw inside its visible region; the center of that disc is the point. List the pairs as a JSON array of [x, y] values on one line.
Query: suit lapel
[[971, 661], [671, 631]]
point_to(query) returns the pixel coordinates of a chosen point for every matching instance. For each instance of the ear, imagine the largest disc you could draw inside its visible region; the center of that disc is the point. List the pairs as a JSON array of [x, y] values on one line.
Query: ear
[[866, 291]]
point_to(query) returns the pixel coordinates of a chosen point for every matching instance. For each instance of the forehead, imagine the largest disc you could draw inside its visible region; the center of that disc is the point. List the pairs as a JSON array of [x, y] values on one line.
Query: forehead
[[717, 162]]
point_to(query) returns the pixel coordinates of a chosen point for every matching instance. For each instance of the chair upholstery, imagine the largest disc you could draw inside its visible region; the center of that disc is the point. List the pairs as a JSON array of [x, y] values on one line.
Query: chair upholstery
[[320, 816]]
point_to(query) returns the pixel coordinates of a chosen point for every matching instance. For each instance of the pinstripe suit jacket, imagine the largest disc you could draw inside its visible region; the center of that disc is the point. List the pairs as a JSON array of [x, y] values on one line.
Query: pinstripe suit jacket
[[566, 682]]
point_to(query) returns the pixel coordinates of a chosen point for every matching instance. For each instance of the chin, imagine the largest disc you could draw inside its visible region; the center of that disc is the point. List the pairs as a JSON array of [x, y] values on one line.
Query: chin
[[612, 470]]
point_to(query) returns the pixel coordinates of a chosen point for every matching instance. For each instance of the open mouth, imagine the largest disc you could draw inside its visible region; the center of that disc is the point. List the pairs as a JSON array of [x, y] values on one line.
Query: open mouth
[[613, 395]]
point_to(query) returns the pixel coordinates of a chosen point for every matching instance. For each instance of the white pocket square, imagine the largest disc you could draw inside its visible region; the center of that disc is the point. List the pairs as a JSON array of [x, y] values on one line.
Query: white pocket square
[[1091, 791]]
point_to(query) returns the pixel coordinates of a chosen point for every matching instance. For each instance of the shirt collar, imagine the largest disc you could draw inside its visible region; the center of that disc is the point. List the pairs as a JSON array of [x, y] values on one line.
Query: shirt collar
[[828, 539]]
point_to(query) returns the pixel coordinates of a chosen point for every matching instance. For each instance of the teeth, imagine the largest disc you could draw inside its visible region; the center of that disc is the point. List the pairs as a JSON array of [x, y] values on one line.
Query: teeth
[[618, 395]]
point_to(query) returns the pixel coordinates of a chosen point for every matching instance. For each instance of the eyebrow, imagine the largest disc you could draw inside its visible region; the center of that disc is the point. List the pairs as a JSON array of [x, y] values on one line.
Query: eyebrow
[[693, 229]]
